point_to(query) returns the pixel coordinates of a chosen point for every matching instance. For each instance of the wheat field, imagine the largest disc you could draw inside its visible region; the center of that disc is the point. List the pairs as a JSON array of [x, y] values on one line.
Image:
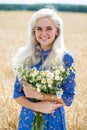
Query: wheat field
[[13, 35]]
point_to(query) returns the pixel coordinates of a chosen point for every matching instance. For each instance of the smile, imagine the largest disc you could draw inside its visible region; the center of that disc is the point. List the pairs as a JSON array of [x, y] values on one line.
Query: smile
[[44, 39]]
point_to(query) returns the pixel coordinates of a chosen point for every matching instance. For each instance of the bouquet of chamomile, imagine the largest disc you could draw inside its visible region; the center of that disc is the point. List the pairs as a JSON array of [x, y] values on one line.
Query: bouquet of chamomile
[[46, 82]]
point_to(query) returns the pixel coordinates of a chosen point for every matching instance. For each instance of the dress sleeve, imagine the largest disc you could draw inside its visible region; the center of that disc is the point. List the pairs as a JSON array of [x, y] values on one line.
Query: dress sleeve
[[18, 89], [69, 85]]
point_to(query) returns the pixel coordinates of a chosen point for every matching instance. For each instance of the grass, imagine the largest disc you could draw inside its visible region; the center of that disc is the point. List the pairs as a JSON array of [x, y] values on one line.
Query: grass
[[13, 34]]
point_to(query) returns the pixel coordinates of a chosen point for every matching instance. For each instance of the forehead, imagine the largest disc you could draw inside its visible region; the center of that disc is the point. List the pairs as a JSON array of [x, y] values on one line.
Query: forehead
[[44, 22]]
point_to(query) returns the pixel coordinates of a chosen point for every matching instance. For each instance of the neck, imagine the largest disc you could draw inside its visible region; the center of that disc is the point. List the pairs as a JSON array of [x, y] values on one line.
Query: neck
[[45, 48]]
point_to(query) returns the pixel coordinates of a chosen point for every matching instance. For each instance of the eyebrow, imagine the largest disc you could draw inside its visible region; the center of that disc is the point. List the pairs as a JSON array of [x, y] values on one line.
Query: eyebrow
[[41, 27], [37, 27]]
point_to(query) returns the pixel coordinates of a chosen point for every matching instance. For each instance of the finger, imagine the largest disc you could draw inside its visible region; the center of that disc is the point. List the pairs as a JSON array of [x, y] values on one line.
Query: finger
[[52, 111], [57, 105], [22, 81]]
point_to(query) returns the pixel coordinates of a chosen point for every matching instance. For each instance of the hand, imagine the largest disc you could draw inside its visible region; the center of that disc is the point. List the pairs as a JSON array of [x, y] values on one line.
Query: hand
[[46, 107], [29, 91]]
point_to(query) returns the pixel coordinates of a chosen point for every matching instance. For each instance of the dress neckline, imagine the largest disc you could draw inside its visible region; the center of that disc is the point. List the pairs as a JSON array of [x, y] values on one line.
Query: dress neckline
[[45, 52]]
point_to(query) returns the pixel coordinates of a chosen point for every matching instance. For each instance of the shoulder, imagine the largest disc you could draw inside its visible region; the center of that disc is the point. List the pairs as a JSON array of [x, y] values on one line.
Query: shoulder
[[68, 59]]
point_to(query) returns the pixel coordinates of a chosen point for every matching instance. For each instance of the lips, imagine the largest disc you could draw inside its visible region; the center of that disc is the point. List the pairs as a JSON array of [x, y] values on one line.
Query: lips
[[44, 39]]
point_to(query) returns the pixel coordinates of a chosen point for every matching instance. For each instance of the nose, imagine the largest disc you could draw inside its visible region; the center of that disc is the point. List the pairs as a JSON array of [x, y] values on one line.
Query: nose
[[44, 33]]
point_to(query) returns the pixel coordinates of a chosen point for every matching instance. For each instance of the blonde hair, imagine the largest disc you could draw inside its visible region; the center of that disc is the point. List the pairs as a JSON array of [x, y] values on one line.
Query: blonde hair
[[30, 53]]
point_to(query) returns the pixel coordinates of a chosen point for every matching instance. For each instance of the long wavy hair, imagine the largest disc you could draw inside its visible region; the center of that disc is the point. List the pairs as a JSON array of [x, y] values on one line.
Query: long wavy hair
[[30, 54]]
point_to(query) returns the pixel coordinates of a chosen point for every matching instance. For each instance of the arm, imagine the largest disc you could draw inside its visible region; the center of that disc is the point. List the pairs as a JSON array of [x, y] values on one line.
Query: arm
[[43, 106], [19, 96], [32, 93], [68, 89], [69, 85]]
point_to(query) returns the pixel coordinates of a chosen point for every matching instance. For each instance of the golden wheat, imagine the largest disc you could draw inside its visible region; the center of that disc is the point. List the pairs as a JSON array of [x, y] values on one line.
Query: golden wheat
[[13, 34]]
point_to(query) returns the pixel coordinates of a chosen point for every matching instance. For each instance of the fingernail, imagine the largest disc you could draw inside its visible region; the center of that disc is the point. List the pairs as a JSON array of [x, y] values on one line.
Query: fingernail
[[56, 102]]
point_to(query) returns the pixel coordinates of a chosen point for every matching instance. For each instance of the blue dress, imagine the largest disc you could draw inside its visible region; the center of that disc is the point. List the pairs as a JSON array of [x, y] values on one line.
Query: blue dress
[[56, 120]]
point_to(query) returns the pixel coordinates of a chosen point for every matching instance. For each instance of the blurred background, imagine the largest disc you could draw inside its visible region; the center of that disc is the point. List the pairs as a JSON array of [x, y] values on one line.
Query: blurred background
[[14, 19]]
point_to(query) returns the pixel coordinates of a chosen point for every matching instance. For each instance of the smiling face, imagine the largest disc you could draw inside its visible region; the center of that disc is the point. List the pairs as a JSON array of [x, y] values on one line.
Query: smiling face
[[45, 33]]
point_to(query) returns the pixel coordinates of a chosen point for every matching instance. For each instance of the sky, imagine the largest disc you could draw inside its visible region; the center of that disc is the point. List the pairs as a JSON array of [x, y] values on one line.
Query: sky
[[81, 2]]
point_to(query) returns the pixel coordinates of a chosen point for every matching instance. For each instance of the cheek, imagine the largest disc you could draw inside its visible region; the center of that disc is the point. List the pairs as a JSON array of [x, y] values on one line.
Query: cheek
[[54, 34], [36, 34]]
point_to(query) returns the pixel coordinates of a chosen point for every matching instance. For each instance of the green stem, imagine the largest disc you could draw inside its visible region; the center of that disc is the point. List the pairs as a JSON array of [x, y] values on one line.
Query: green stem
[[38, 123]]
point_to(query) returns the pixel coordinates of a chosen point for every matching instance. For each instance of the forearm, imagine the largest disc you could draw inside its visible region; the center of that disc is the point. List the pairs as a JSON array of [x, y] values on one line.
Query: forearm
[[32, 93], [43, 106], [51, 98], [25, 102]]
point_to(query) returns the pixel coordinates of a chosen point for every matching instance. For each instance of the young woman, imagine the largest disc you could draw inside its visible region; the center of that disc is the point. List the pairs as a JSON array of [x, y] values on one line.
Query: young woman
[[45, 45]]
